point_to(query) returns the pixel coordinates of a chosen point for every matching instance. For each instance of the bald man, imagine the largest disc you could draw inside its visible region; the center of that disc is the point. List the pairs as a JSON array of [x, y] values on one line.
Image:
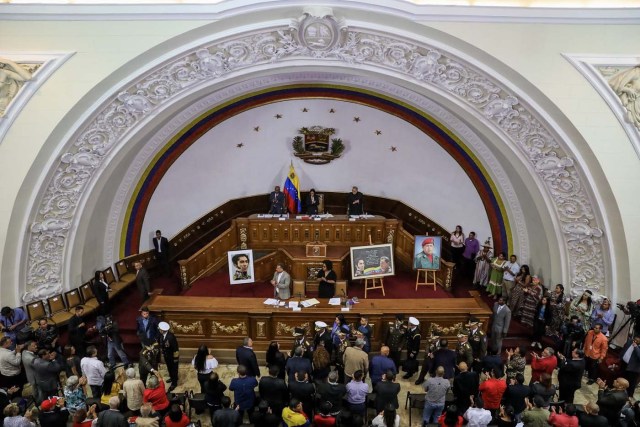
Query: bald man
[[380, 364]]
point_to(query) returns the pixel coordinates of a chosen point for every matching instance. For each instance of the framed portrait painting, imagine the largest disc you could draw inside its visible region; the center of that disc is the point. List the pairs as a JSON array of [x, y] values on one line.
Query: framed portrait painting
[[426, 252], [241, 267], [372, 261]]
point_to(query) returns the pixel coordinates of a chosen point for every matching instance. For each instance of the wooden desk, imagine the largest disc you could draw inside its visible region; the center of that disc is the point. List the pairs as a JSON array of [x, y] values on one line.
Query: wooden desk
[[221, 323]]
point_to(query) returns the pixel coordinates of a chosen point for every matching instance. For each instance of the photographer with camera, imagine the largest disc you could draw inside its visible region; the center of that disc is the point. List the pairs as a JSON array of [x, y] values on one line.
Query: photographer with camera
[[47, 336], [108, 329]]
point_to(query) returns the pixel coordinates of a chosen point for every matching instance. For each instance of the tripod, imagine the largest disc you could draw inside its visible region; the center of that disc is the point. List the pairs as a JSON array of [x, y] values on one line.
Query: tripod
[[628, 322]]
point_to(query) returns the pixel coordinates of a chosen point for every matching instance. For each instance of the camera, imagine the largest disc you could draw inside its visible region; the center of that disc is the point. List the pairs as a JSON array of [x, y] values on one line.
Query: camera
[[105, 325]]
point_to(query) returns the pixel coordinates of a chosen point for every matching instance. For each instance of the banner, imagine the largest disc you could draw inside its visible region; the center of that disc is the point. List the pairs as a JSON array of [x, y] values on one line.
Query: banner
[[292, 191]]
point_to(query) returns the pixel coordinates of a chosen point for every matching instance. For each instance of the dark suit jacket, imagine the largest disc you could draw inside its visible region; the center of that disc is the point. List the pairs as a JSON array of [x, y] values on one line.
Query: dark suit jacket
[[57, 417], [46, 374], [466, 384], [570, 373], [304, 392], [111, 418], [152, 327], [142, 280], [274, 391], [164, 245], [169, 347], [514, 396], [101, 291], [610, 403], [226, 417], [386, 392], [245, 356], [634, 362], [332, 393], [447, 359], [296, 364]]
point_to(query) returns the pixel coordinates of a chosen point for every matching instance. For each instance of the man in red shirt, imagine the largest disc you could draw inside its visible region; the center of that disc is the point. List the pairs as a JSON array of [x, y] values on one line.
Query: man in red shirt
[[566, 419], [492, 390], [547, 362]]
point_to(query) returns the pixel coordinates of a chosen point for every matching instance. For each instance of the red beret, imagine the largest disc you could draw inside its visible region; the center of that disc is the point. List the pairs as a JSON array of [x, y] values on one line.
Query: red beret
[[427, 241]]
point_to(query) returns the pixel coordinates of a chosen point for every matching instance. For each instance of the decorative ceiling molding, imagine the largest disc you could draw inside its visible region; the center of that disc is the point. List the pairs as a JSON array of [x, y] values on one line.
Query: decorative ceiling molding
[[406, 9], [478, 88], [598, 70], [42, 65]]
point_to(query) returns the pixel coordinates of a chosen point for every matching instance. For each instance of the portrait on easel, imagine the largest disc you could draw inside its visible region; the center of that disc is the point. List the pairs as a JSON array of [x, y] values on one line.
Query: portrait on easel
[[372, 261], [426, 252], [240, 267]]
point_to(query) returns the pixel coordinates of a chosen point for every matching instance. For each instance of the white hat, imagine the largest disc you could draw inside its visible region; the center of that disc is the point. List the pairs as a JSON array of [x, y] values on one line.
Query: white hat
[[320, 324], [163, 326], [414, 321]]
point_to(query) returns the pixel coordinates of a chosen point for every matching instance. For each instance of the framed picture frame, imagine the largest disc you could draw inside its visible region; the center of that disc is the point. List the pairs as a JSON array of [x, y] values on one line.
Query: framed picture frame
[[316, 250], [372, 261], [426, 252], [241, 267]]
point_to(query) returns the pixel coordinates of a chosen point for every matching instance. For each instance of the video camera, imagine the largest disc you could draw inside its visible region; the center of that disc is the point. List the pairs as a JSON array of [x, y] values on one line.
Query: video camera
[[105, 325], [631, 308]]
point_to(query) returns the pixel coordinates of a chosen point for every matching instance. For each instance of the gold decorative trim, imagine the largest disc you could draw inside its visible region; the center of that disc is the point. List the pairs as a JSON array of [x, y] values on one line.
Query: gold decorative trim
[[449, 330], [284, 329], [261, 329], [243, 238], [239, 328], [195, 327]]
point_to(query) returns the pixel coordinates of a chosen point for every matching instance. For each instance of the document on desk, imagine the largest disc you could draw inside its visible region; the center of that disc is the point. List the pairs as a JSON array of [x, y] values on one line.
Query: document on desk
[[334, 301], [270, 301], [293, 304], [310, 302]]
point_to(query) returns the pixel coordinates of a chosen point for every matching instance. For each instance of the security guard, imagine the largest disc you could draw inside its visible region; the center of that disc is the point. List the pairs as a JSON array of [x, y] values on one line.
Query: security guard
[[464, 352], [170, 351], [395, 340], [478, 342], [300, 340], [413, 348]]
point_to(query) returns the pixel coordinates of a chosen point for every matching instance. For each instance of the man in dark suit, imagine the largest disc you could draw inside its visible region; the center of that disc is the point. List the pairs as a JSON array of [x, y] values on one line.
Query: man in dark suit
[[227, 416], [170, 351], [142, 280], [500, 322], [147, 327], [570, 374], [465, 385], [612, 400], [246, 357], [387, 391], [78, 331], [298, 363], [161, 246], [303, 390], [516, 393], [47, 370], [276, 202], [630, 357], [332, 392], [274, 390]]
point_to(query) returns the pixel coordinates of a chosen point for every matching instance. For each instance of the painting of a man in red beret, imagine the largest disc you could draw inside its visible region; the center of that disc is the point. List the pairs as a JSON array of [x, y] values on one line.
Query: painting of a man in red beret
[[429, 256]]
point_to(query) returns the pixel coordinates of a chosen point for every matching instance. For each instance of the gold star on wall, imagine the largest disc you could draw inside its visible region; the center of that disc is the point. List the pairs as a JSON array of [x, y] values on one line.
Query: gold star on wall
[[278, 116], [356, 119], [240, 145], [394, 148], [332, 111], [257, 128], [305, 110], [378, 132]]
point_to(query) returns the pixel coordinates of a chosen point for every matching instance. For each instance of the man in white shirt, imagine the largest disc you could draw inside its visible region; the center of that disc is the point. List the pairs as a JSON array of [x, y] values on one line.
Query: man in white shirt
[[476, 415], [94, 370], [11, 363], [510, 269]]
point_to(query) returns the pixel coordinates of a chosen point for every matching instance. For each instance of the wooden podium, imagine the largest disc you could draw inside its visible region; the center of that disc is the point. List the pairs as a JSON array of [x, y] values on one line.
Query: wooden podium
[[429, 278]]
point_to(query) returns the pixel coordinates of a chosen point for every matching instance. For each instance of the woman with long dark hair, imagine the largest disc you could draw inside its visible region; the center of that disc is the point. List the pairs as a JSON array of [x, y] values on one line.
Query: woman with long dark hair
[[451, 418], [387, 418], [276, 358], [582, 306], [339, 325], [204, 363], [506, 417], [456, 240], [321, 363], [542, 318], [522, 282], [327, 286], [558, 305]]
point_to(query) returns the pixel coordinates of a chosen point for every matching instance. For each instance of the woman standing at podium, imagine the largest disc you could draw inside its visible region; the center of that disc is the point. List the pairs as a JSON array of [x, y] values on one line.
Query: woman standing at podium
[[327, 286]]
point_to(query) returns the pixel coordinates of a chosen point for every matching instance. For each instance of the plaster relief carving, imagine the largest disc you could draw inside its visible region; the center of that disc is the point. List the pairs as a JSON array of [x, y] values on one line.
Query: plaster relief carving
[[626, 84], [55, 213], [12, 78]]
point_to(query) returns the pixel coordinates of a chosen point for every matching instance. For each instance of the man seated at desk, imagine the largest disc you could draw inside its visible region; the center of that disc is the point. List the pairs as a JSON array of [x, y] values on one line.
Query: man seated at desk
[[355, 202], [276, 202]]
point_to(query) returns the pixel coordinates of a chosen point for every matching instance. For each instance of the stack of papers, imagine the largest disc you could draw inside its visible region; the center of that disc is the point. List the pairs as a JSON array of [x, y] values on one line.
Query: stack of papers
[[271, 301], [293, 304], [334, 301], [310, 302]]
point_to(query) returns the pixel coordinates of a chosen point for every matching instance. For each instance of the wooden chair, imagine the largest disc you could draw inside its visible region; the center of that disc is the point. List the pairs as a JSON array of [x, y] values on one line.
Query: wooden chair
[[124, 274], [90, 303], [74, 299], [298, 288], [36, 311], [341, 288], [58, 311], [116, 286]]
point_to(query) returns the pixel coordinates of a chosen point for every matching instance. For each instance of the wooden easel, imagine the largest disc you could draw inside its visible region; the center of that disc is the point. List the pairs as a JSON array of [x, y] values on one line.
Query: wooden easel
[[373, 282], [429, 278]]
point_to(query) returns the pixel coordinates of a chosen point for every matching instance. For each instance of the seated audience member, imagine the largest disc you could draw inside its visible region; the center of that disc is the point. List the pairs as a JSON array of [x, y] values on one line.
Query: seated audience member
[[156, 393], [387, 392], [476, 415], [112, 417], [264, 416], [544, 388], [535, 415], [506, 417], [590, 417], [451, 418], [133, 389], [332, 392], [146, 418], [566, 418], [53, 413], [110, 388], [12, 417], [324, 417], [176, 417], [74, 394], [516, 394], [84, 418], [293, 416], [357, 391], [227, 416], [492, 390], [612, 400]]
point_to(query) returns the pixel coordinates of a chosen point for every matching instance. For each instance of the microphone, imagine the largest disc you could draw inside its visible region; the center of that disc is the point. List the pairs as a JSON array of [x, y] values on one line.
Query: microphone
[[299, 296]]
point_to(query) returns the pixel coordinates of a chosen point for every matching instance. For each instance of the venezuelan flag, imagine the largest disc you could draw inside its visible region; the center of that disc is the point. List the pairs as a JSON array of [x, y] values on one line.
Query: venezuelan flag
[[292, 191]]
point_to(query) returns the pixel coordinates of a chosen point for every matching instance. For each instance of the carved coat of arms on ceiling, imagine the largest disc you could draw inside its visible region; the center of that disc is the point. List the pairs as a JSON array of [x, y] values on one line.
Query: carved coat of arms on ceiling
[[318, 33]]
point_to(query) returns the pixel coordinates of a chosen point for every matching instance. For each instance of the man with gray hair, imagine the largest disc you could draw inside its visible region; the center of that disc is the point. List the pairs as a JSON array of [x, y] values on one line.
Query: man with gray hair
[[145, 419], [133, 390], [355, 359], [246, 357], [332, 392], [113, 417], [298, 363]]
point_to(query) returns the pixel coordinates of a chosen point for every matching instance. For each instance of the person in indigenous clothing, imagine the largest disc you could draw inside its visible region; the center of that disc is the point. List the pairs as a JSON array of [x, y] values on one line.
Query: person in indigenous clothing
[[582, 307], [556, 300], [495, 276], [532, 296], [483, 265], [523, 280]]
